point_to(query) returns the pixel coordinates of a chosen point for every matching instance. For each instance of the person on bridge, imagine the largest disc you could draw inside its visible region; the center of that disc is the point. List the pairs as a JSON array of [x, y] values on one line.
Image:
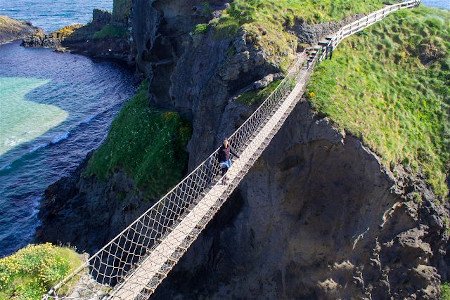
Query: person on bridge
[[329, 52], [224, 158]]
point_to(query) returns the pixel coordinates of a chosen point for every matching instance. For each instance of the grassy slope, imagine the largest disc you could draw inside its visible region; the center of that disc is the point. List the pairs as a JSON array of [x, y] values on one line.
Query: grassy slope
[[377, 88], [110, 31], [148, 144], [33, 270], [445, 289], [265, 21]]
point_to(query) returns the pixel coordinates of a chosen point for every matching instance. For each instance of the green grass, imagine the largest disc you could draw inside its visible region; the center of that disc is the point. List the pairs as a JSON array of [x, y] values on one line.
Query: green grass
[[110, 31], [380, 87], [33, 270], [200, 29], [445, 291], [149, 145], [256, 97], [266, 21], [284, 12]]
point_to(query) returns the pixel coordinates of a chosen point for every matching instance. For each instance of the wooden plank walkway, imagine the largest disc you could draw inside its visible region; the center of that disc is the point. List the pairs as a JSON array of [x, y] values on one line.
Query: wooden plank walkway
[[154, 264], [159, 258]]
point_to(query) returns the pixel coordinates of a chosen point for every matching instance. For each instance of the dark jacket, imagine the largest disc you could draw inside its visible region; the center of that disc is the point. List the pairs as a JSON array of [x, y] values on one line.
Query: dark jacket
[[224, 153]]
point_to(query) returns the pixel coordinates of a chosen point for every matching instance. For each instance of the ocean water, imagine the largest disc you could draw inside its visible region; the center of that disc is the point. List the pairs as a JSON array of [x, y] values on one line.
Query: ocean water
[[54, 109], [53, 14], [444, 4], [24, 120]]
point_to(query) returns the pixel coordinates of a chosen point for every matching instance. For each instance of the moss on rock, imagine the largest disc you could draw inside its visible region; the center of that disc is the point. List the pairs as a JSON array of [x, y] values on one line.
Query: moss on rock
[[110, 31], [148, 144]]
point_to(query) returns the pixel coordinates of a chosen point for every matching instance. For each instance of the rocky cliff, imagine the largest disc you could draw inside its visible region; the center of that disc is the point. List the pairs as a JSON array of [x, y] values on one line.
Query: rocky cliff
[[318, 216], [11, 30], [106, 37]]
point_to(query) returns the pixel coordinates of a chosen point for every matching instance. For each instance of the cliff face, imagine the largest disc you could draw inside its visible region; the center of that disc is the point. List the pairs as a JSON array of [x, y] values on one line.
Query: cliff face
[[86, 212], [199, 74], [318, 216]]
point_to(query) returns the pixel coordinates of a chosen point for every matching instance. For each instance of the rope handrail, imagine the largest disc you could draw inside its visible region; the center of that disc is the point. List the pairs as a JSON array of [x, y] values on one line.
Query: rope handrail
[[184, 211], [211, 160]]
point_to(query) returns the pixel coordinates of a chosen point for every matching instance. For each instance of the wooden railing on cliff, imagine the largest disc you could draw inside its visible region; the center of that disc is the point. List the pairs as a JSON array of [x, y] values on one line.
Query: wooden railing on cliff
[[135, 262]]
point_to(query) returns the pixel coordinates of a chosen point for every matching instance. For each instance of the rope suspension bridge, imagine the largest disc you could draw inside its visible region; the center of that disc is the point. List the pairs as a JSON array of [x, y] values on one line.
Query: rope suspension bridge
[[135, 262]]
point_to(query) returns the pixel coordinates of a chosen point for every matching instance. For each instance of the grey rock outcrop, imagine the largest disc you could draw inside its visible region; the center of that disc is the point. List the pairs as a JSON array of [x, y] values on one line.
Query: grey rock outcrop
[[11, 30], [114, 44], [39, 39], [311, 34]]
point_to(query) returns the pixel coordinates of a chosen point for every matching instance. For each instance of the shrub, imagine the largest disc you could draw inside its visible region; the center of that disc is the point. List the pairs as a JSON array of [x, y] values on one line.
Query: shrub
[[200, 29], [32, 271], [110, 31]]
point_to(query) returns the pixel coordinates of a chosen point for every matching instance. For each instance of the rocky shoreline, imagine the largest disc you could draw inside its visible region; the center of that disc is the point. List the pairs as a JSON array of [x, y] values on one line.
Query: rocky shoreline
[[103, 38], [12, 30], [39, 39]]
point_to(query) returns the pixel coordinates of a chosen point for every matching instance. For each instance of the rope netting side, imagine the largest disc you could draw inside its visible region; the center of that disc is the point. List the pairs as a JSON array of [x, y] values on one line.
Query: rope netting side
[[109, 266], [120, 258]]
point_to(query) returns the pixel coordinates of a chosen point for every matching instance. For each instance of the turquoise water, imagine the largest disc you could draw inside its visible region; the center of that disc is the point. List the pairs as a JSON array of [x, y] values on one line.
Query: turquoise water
[[54, 109], [22, 120]]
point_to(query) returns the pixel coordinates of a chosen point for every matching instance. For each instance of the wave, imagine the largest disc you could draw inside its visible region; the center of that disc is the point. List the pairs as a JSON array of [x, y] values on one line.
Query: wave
[[6, 167], [88, 120], [38, 146], [91, 118], [62, 136]]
